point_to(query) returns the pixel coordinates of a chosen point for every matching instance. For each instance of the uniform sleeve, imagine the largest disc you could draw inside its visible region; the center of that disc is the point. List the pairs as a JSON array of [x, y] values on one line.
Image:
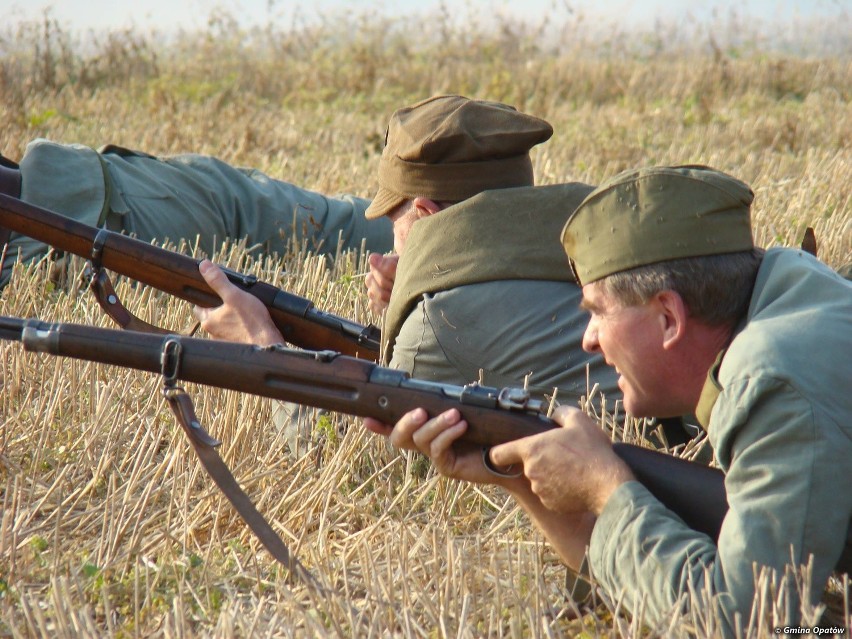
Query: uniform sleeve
[[184, 195], [784, 499], [64, 178]]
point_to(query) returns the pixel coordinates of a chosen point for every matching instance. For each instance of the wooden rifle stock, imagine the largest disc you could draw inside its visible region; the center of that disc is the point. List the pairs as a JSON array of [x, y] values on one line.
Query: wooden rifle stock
[[299, 321], [328, 380]]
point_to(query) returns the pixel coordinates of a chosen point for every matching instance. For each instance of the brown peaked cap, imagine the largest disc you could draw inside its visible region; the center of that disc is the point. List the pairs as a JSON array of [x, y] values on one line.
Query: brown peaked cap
[[449, 148]]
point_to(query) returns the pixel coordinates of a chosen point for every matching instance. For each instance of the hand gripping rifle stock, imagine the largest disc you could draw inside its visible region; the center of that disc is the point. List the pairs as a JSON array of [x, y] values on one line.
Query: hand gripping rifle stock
[[299, 321], [328, 380]]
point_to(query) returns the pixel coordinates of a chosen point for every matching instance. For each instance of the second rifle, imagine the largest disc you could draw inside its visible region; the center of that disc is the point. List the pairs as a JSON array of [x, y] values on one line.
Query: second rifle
[[299, 321]]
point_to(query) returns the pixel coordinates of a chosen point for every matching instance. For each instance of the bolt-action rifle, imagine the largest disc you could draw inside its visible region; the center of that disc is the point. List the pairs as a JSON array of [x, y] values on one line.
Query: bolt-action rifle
[[299, 321], [326, 379]]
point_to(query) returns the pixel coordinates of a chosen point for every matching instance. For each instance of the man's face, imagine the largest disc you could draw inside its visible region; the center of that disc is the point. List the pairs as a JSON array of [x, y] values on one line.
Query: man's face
[[630, 339], [403, 217]]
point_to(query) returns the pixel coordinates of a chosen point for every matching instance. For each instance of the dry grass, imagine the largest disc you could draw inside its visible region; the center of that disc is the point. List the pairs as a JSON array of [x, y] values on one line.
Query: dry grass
[[109, 526]]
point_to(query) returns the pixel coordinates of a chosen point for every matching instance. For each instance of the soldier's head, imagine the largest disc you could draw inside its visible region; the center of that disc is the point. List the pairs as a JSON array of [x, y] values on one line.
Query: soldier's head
[[667, 263], [448, 148]]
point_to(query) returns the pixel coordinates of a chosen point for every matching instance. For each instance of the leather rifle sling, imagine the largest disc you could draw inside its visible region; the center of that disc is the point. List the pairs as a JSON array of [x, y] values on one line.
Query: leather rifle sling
[[204, 446]]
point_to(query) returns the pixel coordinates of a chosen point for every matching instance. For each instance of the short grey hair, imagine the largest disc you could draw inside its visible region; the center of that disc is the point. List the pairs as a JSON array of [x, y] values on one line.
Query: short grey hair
[[715, 288]]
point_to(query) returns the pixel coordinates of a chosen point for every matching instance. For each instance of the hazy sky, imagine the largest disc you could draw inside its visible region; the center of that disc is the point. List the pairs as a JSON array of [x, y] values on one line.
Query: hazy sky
[[162, 14]]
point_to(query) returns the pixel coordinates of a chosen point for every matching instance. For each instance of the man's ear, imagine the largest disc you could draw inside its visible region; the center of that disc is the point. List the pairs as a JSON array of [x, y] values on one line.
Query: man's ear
[[673, 315], [425, 207]]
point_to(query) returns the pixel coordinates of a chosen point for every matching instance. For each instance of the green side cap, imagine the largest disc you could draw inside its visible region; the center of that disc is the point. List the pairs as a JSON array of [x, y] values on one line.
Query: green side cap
[[652, 215]]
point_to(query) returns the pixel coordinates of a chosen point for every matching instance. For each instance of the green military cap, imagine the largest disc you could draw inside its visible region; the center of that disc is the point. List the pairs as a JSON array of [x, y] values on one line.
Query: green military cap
[[656, 214], [449, 148]]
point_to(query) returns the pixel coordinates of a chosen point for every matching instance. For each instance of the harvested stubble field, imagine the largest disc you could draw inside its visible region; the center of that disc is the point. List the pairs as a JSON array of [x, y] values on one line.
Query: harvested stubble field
[[109, 526]]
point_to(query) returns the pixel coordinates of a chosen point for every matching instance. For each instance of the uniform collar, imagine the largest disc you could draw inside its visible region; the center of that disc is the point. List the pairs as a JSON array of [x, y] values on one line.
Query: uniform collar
[[710, 392]]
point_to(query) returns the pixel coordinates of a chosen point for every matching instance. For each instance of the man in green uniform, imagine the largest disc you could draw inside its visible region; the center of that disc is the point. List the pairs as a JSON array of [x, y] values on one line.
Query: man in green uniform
[[456, 180], [195, 198], [695, 320]]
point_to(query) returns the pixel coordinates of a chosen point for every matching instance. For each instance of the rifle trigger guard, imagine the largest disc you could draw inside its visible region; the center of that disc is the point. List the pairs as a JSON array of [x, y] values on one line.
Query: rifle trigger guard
[[508, 472]]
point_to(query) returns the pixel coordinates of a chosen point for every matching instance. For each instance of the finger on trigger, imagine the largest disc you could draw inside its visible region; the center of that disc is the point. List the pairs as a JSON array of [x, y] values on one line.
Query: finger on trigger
[[507, 454]]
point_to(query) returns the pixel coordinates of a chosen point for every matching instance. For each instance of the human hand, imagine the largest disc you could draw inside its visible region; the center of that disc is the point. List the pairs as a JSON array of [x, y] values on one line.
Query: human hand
[[241, 317], [435, 438], [380, 280], [571, 469]]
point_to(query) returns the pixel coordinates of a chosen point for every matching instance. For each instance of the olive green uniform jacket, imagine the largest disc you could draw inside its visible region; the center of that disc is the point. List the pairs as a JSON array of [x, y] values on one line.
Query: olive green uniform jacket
[[778, 410], [187, 197], [484, 286]]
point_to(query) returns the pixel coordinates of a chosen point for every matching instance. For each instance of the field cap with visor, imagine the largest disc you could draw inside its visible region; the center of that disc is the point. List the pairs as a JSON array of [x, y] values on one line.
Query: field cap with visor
[[449, 148], [652, 215]]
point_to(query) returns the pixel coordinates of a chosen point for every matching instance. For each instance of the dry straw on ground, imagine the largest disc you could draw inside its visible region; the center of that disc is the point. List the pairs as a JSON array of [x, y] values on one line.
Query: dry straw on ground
[[110, 528]]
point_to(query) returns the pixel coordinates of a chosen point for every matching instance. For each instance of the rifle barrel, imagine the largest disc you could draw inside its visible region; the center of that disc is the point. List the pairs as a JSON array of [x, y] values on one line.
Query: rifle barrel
[[11, 328]]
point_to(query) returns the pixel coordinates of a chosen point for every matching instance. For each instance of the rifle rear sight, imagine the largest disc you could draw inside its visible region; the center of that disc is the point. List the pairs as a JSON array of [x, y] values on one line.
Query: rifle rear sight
[[474, 394]]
